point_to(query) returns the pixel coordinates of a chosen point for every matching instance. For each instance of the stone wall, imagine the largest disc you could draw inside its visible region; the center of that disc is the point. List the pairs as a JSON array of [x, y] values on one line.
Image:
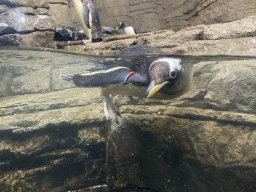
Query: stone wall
[[149, 15], [32, 23], [26, 23]]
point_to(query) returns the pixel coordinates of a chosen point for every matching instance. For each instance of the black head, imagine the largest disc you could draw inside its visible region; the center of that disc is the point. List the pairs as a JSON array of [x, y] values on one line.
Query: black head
[[123, 25]]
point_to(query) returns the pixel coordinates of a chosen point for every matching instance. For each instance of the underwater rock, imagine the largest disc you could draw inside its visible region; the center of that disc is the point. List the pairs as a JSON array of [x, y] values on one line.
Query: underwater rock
[[54, 135]]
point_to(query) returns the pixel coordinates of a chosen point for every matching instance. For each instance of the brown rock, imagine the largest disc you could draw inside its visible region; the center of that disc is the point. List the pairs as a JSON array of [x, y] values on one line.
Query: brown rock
[[58, 138], [61, 14], [38, 39], [45, 22]]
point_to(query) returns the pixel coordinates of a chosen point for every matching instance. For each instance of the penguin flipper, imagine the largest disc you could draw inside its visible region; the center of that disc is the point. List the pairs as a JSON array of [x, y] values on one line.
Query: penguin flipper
[[99, 78], [86, 16]]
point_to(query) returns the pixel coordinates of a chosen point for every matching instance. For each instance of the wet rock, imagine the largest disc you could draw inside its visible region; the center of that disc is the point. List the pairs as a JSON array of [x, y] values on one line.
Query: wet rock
[[55, 136]]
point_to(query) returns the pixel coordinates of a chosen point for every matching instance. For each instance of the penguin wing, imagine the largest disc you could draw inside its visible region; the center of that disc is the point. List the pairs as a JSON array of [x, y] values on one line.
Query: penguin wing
[[100, 77], [135, 31], [86, 16]]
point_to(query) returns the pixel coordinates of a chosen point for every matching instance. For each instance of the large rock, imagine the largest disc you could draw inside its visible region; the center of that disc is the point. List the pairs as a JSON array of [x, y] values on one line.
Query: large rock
[[152, 15], [202, 39], [26, 17], [54, 135]]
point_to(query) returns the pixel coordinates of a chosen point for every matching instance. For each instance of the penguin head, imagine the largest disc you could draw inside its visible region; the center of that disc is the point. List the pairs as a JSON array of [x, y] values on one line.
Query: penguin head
[[123, 25], [164, 75]]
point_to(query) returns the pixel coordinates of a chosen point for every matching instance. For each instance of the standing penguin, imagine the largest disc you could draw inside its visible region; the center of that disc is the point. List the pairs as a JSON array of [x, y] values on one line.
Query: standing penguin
[[89, 19], [128, 28]]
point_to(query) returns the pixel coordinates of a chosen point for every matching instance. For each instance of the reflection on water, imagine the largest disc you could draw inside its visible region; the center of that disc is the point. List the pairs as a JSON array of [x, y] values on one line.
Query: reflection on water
[[54, 134]]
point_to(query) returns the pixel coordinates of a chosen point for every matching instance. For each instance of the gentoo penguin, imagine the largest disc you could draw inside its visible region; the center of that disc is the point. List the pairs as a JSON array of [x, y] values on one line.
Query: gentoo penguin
[[161, 77], [89, 19], [128, 28], [108, 31]]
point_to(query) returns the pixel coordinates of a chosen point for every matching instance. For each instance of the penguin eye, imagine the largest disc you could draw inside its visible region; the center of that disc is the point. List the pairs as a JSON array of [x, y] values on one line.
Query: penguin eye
[[173, 74]]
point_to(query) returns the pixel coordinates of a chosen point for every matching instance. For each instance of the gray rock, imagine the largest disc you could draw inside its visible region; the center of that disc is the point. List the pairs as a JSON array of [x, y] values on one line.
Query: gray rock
[[44, 22], [6, 29], [10, 39]]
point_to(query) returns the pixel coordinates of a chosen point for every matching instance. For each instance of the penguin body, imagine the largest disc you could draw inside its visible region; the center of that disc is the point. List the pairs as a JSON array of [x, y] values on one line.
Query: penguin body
[[128, 28], [163, 74], [158, 77], [108, 31], [150, 73], [89, 18]]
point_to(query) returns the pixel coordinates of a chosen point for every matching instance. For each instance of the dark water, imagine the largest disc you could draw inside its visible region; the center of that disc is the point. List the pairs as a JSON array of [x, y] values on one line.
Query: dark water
[[52, 130]]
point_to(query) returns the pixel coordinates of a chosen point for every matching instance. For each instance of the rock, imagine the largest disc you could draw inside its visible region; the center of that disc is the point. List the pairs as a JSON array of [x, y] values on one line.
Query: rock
[[150, 15], [54, 134], [6, 29], [11, 39], [61, 14], [26, 17], [38, 39]]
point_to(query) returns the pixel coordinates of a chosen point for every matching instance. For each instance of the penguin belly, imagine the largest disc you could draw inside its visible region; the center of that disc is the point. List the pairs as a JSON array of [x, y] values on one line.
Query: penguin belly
[[129, 30], [80, 14]]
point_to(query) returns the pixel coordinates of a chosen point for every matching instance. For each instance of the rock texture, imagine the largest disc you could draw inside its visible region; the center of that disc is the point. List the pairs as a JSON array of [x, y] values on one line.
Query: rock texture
[[237, 37], [54, 135], [149, 15], [26, 23], [32, 23]]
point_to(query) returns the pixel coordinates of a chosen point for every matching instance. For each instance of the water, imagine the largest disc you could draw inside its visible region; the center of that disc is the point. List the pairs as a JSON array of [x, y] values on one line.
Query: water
[[54, 135]]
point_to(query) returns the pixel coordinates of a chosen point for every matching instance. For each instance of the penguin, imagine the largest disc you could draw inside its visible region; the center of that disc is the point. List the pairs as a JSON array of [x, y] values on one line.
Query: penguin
[[108, 31], [89, 18], [69, 34], [158, 77], [128, 28]]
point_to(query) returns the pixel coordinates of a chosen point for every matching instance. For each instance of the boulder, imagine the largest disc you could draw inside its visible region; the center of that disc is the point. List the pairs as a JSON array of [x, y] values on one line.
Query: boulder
[[25, 18]]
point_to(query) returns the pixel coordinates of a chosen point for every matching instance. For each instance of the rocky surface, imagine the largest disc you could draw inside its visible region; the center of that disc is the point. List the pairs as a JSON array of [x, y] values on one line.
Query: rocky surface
[[237, 37], [39, 19], [26, 23], [54, 135], [150, 15]]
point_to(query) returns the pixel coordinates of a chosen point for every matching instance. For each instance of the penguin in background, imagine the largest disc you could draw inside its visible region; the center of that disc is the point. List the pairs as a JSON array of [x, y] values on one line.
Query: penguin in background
[[89, 18], [157, 77], [128, 28]]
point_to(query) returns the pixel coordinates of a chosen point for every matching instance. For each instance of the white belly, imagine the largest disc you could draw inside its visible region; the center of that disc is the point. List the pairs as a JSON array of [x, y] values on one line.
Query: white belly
[[129, 30]]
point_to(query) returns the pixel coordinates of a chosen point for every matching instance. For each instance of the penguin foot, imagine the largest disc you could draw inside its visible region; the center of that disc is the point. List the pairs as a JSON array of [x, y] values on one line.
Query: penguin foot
[[84, 41], [110, 110]]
